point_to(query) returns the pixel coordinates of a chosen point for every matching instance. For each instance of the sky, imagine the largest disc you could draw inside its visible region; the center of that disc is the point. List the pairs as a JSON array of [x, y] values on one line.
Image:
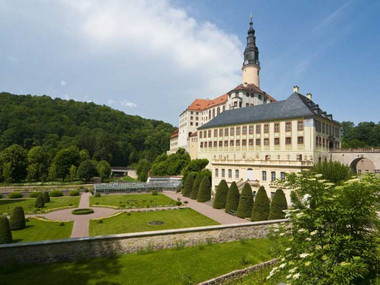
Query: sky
[[154, 57]]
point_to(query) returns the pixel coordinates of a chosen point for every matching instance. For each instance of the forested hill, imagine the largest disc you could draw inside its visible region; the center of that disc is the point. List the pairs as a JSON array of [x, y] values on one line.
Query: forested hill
[[56, 124]]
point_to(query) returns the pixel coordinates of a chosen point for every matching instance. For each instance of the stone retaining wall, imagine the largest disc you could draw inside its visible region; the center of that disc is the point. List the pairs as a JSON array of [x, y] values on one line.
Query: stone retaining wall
[[83, 248]]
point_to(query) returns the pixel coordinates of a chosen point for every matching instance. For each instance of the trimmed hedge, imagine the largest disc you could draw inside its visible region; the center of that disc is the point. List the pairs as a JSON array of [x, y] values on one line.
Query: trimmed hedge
[[221, 195], [82, 211], [5, 230], [74, 193], [34, 194], [232, 198], [39, 203], [14, 195], [196, 184], [278, 206], [244, 209], [204, 193], [260, 209], [188, 187], [17, 219], [46, 197], [56, 193]]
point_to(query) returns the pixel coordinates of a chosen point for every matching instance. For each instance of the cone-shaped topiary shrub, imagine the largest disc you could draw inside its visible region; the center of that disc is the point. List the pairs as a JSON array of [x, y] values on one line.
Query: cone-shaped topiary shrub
[[188, 187], [5, 230], [260, 209], [278, 206], [196, 184], [17, 219], [244, 209], [39, 203], [221, 195], [232, 198], [46, 197], [204, 192]]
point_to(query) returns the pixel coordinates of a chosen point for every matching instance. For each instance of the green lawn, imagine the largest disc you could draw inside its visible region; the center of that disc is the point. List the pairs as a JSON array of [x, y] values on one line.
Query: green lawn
[[133, 200], [39, 230], [171, 266], [7, 205], [138, 222]]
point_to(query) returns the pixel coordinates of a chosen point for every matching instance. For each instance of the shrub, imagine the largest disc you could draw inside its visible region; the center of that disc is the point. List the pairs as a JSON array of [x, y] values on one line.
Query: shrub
[[260, 209], [14, 195], [98, 194], [333, 171], [154, 192], [278, 205], [232, 198], [221, 195], [244, 209], [5, 230], [185, 202], [74, 193], [204, 193], [188, 187], [82, 211], [1, 196], [56, 193], [34, 194], [39, 203], [46, 197], [61, 224], [197, 182], [17, 219], [178, 203]]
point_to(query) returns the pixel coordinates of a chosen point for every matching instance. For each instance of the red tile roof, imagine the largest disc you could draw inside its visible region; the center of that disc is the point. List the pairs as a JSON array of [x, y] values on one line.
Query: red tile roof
[[174, 134], [202, 104]]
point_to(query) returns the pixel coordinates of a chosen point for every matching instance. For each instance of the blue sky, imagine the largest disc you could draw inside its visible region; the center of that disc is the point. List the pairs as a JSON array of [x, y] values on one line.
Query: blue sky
[[153, 57]]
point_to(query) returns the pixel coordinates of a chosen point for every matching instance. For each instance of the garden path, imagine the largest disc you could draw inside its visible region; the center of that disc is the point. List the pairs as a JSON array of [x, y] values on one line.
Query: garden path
[[216, 214]]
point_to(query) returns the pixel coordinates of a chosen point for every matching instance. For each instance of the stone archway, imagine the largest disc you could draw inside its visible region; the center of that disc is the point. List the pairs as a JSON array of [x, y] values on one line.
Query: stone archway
[[362, 165]]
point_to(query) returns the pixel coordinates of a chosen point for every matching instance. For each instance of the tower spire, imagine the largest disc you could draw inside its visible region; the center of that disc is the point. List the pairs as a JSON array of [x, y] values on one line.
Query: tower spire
[[251, 57]]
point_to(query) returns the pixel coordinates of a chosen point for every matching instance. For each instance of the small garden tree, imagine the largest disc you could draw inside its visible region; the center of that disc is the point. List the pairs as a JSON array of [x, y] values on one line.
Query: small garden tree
[[46, 197], [39, 203], [260, 210], [244, 209], [17, 219], [232, 201], [188, 187], [221, 195], [104, 169], [197, 182], [87, 170], [278, 206], [5, 230], [204, 193]]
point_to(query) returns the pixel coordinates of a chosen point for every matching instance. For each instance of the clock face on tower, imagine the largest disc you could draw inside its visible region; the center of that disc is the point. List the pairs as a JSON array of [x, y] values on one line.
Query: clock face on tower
[[246, 62]]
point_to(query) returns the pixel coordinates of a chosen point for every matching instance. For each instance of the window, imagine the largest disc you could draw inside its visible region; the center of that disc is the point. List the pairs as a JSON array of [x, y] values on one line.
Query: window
[[209, 115], [236, 173], [300, 140], [215, 133], [226, 131], [276, 127], [229, 173], [223, 172], [266, 128], [317, 141], [244, 142], [215, 143], [258, 129], [246, 104], [191, 117], [235, 104], [201, 144], [276, 141], [220, 143], [247, 94], [238, 131], [266, 141], [250, 142], [258, 141], [273, 176], [237, 142], [231, 142], [300, 125], [251, 129], [299, 157], [196, 124], [264, 173], [196, 118], [288, 126], [205, 145], [205, 134], [220, 132], [288, 140], [216, 172], [218, 111], [209, 144], [244, 132], [191, 112], [323, 128], [282, 176], [209, 133], [259, 97], [191, 123], [200, 134], [232, 131], [213, 113], [225, 143]]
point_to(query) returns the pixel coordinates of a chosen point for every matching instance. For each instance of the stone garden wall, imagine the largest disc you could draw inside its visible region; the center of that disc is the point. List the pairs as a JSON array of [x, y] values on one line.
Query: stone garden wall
[[83, 248]]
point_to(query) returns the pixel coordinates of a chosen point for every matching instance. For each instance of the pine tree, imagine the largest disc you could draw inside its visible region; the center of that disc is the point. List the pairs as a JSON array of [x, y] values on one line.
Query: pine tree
[[232, 198], [46, 197], [278, 205], [204, 193], [260, 210], [196, 184], [221, 195], [5, 230], [244, 209], [39, 203], [188, 187], [17, 219]]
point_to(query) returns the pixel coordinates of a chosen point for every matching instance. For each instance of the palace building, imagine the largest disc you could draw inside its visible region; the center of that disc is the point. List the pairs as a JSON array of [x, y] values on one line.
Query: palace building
[[250, 137]]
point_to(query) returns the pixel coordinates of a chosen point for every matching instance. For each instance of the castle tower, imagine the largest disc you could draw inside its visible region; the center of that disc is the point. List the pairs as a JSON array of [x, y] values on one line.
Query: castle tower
[[251, 64]]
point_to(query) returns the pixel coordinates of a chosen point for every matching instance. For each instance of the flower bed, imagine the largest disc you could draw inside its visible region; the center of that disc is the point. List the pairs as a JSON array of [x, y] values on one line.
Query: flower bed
[[84, 211]]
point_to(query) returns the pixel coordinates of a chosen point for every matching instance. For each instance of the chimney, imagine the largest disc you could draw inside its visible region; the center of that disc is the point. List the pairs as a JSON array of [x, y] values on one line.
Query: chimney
[[296, 89], [309, 96]]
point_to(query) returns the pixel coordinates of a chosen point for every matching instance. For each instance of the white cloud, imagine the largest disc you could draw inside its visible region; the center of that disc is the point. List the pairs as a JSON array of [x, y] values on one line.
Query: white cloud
[[128, 104], [63, 83], [110, 102]]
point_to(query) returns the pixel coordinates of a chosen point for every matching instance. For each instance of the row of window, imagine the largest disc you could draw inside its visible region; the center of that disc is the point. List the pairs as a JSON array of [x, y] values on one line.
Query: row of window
[[276, 141], [326, 143], [237, 174], [328, 129]]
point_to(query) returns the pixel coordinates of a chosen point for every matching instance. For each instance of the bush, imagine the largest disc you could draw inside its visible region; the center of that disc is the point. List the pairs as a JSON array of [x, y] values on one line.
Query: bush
[[82, 211], [188, 187], [278, 206], [56, 193], [74, 193], [221, 195], [1, 196], [14, 195], [34, 194], [244, 209], [196, 184], [17, 219], [204, 193], [61, 224], [87, 170], [39, 203], [178, 203], [154, 192], [260, 209], [97, 194], [46, 197], [333, 171], [232, 198], [5, 230]]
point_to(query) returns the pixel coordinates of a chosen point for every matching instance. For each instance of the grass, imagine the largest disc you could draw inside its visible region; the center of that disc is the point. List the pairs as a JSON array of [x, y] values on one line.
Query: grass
[[7, 205], [138, 222], [37, 230], [132, 200], [254, 278], [171, 266]]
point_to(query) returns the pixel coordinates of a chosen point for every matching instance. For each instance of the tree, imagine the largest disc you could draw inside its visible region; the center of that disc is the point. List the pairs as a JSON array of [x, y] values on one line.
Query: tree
[[142, 169], [7, 172], [64, 159], [104, 169], [197, 182], [244, 209], [333, 171], [233, 196], [73, 172], [260, 210], [188, 187], [39, 203], [46, 197], [14, 159], [278, 205], [52, 172], [37, 163], [86, 170], [172, 164], [221, 195], [17, 219], [84, 155], [194, 165], [204, 193], [5, 230]]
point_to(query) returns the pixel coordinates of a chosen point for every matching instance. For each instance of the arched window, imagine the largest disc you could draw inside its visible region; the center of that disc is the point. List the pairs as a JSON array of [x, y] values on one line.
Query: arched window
[[213, 113], [218, 111]]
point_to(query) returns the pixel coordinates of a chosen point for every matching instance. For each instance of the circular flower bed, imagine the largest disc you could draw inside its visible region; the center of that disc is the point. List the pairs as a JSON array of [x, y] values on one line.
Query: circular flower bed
[[84, 211], [155, 223]]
